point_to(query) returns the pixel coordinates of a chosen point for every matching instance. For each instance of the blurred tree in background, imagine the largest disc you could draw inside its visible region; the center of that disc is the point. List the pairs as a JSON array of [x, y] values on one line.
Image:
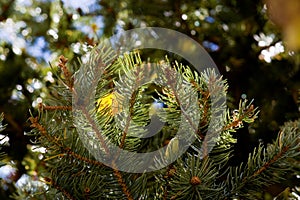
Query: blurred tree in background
[[255, 45]]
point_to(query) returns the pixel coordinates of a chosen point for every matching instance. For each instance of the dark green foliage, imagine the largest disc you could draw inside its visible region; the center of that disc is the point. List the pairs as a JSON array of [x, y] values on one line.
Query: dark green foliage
[[189, 177], [232, 31]]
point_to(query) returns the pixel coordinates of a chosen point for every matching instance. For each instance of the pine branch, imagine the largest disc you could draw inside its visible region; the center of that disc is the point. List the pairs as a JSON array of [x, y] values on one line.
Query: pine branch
[[43, 131], [62, 64], [59, 188], [118, 112], [123, 184], [64, 150], [193, 179], [266, 166]]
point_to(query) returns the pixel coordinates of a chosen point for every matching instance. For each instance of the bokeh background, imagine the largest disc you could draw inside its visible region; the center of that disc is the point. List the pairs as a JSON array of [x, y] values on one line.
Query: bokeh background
[[254, 43]]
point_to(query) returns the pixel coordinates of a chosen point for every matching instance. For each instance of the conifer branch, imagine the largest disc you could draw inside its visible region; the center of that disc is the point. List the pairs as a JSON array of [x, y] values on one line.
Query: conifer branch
[[203, 103], [56, 186], [128, 119], [62, 64], [95, 128], [171, 82], [43, 131], [269, 163], [245, 113], [65, 150], [123, 184], [193, 176], [274, 161], [68, 151]]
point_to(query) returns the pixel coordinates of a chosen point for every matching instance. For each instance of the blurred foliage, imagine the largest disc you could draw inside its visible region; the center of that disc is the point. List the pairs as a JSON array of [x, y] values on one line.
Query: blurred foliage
[[250, 50], [286, 15]]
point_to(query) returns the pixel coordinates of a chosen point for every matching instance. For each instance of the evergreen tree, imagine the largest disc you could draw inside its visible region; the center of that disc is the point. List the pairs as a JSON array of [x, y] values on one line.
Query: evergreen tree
[[75, 143], [258, 61]]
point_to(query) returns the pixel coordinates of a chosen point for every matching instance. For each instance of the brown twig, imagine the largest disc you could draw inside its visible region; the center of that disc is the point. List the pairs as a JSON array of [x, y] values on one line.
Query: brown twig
[[79, 157], [62, 64], [267, 164], [206, 106], [44, 107], [56, 186], [42, 130], [95, 128], [67, 150], [170, 82], [122, 184], [237, 121], [132, 101]]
